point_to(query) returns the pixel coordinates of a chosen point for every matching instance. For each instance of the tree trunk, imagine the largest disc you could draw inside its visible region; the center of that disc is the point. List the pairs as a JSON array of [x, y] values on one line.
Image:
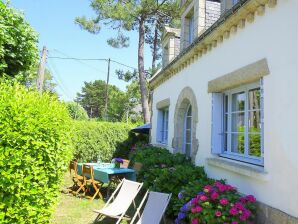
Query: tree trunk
[[154, 53], [142, 79]]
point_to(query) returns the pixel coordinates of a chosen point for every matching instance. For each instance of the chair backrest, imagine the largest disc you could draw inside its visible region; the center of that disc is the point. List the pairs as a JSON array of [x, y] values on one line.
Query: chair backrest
[[73, 165], [88, 170], [155, 208], [127, 193], [125, 163]]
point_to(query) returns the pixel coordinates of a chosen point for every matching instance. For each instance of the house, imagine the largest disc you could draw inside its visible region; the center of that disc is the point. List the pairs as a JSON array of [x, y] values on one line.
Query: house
[[227, 97]]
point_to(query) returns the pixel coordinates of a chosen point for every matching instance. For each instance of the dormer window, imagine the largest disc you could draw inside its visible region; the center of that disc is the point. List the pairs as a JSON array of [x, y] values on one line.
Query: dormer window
[[191, 28]]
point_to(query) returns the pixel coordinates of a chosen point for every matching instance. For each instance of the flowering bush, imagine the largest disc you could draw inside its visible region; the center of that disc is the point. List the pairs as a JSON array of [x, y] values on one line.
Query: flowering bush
[[218, 203]]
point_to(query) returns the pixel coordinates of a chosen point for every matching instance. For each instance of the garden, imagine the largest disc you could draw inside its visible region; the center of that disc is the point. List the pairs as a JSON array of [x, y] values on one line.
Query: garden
[[40, 135]]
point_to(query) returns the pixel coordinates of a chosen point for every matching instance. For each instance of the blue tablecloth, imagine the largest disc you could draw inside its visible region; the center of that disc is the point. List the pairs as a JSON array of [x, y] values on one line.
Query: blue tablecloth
[[103, 174]]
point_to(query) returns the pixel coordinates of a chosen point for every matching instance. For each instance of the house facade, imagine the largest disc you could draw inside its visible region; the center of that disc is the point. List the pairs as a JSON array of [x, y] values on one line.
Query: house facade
[[228, 99]]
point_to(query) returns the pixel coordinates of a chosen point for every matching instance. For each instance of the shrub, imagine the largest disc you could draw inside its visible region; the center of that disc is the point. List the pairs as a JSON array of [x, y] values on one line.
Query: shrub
[[34, 151], [102, 140], [217, 203], [166, 172], [76, 111]]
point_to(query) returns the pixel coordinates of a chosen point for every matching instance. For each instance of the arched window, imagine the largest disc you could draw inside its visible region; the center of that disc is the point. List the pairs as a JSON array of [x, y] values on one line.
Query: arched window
[[188, 132]]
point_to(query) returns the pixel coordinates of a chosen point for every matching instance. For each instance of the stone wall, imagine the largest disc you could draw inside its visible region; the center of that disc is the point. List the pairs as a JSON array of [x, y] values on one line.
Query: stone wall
[[269, 215], [212, 12]]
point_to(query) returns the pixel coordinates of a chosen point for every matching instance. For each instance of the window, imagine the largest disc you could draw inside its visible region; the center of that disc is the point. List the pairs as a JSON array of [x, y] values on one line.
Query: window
[[235, 2], [191, 28], [162, 126], [188, 132], [237, 124]]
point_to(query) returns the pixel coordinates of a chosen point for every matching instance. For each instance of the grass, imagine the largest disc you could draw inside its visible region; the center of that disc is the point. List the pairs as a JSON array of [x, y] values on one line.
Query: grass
[[75, 210]]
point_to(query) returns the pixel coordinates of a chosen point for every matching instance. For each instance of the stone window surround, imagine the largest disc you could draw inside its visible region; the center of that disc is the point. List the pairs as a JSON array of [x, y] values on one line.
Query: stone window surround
[[247, 74], [185, 98]]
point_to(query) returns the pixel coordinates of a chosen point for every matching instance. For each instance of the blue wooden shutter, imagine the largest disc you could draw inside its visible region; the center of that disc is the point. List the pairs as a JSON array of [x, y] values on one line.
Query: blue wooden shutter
[[217, 123]]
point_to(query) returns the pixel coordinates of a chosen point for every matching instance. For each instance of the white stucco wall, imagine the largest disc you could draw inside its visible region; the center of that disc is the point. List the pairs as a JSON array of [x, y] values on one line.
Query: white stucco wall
[[273, 36]]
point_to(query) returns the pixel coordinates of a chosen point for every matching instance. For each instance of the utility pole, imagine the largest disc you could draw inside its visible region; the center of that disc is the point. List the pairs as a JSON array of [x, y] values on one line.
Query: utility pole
[[41, 69], [107, 92]]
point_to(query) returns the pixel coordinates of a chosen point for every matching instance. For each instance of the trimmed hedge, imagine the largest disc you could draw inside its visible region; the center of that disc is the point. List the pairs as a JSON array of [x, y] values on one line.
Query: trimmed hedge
[[93, 140], [34, 151]]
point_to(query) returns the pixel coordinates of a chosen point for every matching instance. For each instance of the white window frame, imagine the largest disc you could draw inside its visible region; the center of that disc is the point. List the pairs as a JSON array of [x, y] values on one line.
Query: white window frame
[[218, 129], [232, 155], [163, 125], [187, 129]]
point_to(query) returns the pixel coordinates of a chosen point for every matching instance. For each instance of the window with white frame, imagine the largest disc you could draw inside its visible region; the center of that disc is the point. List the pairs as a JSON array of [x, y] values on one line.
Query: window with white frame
[[188, 132], [162, 126], [238, 124]]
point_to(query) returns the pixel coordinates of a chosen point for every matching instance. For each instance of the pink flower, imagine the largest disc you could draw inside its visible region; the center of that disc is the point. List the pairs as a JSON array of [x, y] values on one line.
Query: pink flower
[[250, 198], [194, 201], [214, 195], [239, 205], [203, 198], [193, 210], [217, 213], [208, 188], [233, 211], [223, 201], [198, 209], [195, 221]]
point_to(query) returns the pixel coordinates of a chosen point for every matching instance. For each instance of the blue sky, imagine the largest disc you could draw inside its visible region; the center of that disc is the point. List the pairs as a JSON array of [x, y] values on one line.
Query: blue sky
[[54, 22]]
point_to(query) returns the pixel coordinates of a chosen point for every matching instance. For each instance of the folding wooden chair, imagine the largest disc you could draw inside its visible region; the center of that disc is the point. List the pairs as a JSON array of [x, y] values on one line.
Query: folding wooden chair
[[88, 174], [154, 209], [117, 206], [77, 179]]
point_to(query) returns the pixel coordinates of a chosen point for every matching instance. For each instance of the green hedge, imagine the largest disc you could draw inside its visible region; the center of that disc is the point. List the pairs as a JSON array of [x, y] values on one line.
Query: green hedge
[[34, 151], [93, 140]]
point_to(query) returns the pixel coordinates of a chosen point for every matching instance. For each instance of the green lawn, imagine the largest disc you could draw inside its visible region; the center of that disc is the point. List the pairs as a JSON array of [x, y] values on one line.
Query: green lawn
[[75, 210]]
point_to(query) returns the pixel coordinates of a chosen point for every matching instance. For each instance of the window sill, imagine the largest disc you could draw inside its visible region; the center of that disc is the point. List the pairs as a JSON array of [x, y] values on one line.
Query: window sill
[[241, 168], [161, 144]]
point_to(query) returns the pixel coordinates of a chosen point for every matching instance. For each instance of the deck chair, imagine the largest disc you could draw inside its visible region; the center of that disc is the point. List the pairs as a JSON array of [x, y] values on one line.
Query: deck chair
[[88, 174], [77, 179], [116, 207], [154, 209]]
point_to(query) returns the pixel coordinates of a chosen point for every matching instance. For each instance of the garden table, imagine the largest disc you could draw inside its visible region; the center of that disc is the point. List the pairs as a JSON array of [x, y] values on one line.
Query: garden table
[[103, 174]]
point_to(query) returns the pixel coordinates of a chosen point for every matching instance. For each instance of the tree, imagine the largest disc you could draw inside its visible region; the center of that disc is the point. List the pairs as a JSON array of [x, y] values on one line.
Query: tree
[[18, 45], [127, 16], [76, 111], [48, 85], [92, 99]]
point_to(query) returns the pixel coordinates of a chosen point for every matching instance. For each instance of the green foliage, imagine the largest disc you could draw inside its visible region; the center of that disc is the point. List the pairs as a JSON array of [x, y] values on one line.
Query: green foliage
[[102, 140], [18, 44], [76, 111], [166, 172], [34, 151]]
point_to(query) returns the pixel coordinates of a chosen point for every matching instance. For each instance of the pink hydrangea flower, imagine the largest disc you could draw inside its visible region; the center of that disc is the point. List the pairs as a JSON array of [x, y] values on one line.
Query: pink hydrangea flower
[[250, 198], [224, 201], [214, 195], [217, 213], [233, 211], [203, 198], [194, 201], [208, 188], [239, 205], [195, 221]]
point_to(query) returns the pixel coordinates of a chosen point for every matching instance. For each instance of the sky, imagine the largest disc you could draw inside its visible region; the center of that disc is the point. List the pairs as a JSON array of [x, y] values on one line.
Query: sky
[[53, 20]]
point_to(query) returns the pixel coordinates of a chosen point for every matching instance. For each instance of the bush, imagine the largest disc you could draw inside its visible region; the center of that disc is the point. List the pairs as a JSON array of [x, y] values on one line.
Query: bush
[[34, 151], [217, 203], [102, 140], [76, 111], [18, 48], [163, 171]]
